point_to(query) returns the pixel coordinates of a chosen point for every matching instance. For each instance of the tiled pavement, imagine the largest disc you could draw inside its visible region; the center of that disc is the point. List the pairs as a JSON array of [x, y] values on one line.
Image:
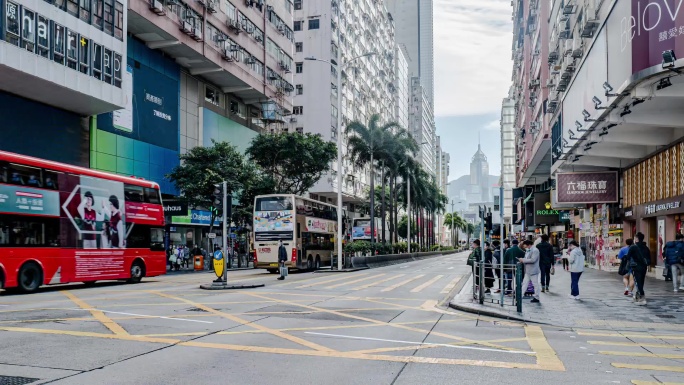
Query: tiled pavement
[[602, 304]]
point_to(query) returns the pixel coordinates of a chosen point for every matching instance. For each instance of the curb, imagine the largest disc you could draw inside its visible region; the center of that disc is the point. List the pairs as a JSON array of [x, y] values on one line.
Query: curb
[[182, 272], [232, 287]]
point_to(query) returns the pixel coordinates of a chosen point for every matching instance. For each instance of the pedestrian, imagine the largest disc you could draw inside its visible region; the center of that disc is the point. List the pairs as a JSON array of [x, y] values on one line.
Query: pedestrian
[[546, 260], [627, 278], [475, 256], [674, 255], [489, 274], [496, 260], [282, 257], [576, 260], [174, 259], [639, 260], [511, 257], [531, 262], [566, 263]]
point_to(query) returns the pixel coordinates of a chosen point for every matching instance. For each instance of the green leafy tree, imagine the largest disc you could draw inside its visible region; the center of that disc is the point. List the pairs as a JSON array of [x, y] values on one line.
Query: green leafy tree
[[204, 167], [403, 226], [294, 162]]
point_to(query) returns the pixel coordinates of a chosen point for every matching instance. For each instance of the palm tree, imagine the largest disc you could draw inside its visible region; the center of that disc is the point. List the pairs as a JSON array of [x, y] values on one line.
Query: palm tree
[[458, 224], [402, 147], [370, 143]]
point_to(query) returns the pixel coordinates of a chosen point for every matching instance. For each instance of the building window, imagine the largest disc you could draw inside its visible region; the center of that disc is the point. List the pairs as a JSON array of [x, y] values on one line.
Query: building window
[[297, 4], [109, 16], [297, 110], [212, 96], [85, 10], [299, 67], [98, 13], [72, 7], [297, 25], [118, 20], [300, 89], [299, 47], [314, 24]]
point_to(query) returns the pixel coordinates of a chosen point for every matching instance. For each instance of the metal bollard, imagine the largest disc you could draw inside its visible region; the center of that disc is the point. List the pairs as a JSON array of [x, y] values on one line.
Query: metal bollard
[[518, 286], [482, 283]]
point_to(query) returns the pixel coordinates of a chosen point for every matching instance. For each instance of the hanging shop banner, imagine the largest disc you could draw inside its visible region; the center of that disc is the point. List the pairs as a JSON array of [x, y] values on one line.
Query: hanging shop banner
[[543, 213], [587, 187]]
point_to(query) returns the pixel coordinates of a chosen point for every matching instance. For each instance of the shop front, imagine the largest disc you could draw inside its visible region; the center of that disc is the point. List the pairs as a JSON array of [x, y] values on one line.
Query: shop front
[[654, 201], [193, 229], [660, 221]]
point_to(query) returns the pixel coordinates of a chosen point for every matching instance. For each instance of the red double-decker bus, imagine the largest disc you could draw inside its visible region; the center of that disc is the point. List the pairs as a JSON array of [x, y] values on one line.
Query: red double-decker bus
[[61, 223]]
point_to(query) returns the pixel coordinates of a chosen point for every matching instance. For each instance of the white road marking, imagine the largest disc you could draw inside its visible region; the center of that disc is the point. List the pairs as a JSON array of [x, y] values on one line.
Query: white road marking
[[421, 343], [147, 316], [450, 268]]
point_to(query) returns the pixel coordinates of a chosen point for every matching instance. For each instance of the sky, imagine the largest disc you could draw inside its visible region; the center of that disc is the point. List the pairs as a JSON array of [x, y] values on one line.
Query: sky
[[473, 68]]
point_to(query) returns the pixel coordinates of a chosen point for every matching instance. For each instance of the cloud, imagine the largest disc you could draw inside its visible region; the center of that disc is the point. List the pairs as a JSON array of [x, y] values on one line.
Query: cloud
[[494, 125], [472, 55]]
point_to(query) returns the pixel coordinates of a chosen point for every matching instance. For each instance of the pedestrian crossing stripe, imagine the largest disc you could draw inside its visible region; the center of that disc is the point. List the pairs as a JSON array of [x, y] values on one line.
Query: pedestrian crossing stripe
[[355, 281], [378, 282], [400, 284], [450, 285], [327, 281], [426, 284]]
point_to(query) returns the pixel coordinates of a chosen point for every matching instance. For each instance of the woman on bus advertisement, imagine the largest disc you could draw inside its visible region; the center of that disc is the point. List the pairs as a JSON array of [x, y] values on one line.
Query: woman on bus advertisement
[[81, 198]]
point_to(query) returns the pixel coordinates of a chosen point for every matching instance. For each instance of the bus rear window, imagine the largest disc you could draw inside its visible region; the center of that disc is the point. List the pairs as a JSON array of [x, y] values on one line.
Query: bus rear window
[[273, 203]]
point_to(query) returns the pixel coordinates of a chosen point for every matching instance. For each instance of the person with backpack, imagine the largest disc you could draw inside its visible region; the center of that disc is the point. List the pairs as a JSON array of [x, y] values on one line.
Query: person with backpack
[[674, 259], [627, 277], [639, 260], [511, 257]]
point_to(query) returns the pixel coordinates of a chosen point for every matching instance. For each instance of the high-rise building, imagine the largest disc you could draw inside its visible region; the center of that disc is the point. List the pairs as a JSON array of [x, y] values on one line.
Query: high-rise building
[[422, 125], [369, 86], [508, 154], [401, 87], [414, 30], [479, 189]]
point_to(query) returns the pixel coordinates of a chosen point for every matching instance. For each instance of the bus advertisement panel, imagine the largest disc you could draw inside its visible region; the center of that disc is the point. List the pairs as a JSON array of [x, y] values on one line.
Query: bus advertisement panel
[[60, 223]]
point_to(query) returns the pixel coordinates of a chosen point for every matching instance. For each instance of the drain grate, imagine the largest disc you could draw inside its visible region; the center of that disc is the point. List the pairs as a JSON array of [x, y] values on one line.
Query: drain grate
[[665, 316], [13, 380], [194, 309]]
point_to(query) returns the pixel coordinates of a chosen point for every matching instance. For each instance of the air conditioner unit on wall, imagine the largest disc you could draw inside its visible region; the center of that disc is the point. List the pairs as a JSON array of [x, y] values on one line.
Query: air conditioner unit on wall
[[157, 7]]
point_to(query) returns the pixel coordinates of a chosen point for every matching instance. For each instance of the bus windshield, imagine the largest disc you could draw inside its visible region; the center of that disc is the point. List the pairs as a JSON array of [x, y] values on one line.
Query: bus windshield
[[273, 218]]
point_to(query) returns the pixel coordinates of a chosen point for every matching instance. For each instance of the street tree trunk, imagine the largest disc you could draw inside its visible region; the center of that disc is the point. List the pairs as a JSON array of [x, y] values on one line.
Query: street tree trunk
[[382, 210]]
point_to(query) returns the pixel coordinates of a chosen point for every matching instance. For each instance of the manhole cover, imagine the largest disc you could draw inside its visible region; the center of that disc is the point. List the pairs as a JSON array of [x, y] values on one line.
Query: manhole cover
[[197, 309], [12, 380], [664, 316]]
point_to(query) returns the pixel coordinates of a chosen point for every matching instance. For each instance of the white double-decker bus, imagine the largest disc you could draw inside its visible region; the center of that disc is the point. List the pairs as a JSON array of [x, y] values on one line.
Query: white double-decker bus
[[306, 227]]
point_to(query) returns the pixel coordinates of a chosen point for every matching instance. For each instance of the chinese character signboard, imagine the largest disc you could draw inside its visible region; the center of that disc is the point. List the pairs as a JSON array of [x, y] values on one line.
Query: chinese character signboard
[[587, 187]]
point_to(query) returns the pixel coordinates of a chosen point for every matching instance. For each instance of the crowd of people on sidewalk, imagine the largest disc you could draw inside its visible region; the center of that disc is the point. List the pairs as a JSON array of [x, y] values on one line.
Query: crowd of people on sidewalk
[[181, 256], [538, 260]]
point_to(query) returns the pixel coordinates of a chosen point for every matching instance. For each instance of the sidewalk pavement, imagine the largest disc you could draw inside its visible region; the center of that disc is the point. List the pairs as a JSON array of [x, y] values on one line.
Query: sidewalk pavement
[[603, 304]]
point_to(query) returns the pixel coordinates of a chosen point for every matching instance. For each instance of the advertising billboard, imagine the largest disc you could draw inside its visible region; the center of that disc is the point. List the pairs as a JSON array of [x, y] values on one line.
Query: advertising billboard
[[273, 225], [587, 187]]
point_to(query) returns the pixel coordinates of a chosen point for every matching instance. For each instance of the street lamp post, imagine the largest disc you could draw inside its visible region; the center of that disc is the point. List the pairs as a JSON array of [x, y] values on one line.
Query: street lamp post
[[340, 67], [452, 224]]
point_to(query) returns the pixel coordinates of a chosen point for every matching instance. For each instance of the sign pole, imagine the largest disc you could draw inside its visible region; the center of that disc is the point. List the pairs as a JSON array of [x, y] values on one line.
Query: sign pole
[[501, 255], [225, 231]]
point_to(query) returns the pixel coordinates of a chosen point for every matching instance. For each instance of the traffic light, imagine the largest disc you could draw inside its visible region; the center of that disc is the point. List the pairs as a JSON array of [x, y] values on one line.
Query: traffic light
[[217, 196], [488, 222]]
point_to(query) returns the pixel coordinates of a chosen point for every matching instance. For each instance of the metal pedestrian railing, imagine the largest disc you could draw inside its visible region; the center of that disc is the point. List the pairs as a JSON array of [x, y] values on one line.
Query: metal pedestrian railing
[[498, 284]]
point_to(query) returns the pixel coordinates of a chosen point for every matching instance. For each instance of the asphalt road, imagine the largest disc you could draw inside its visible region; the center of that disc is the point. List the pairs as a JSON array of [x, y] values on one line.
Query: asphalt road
[[379, 326]]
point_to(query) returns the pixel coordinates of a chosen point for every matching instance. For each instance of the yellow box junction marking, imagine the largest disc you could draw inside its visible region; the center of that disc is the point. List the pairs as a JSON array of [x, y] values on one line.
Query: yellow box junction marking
[[546, 356], [657, 368], [616, 343], [644, 354], [100, 316], [241, 321], [451, 285], [637, 382], [327, 281]]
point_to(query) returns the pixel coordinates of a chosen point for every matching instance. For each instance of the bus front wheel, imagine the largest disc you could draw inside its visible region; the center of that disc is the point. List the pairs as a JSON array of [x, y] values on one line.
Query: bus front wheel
[[137, 272], [30, 277], [309, 263]]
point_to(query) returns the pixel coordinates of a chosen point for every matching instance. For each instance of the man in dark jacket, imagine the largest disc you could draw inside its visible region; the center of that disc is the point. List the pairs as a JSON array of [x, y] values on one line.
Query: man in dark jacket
[[639, 259], [510, 260], [546, 260], [282, 257], [674, 255]]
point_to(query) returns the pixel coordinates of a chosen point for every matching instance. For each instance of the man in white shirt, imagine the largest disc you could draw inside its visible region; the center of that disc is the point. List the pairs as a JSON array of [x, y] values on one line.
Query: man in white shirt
[[531, 262]]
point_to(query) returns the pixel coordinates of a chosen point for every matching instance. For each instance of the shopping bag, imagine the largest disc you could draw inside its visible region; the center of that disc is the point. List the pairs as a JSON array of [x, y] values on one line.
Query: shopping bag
[[283, 271], [553, 270]]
